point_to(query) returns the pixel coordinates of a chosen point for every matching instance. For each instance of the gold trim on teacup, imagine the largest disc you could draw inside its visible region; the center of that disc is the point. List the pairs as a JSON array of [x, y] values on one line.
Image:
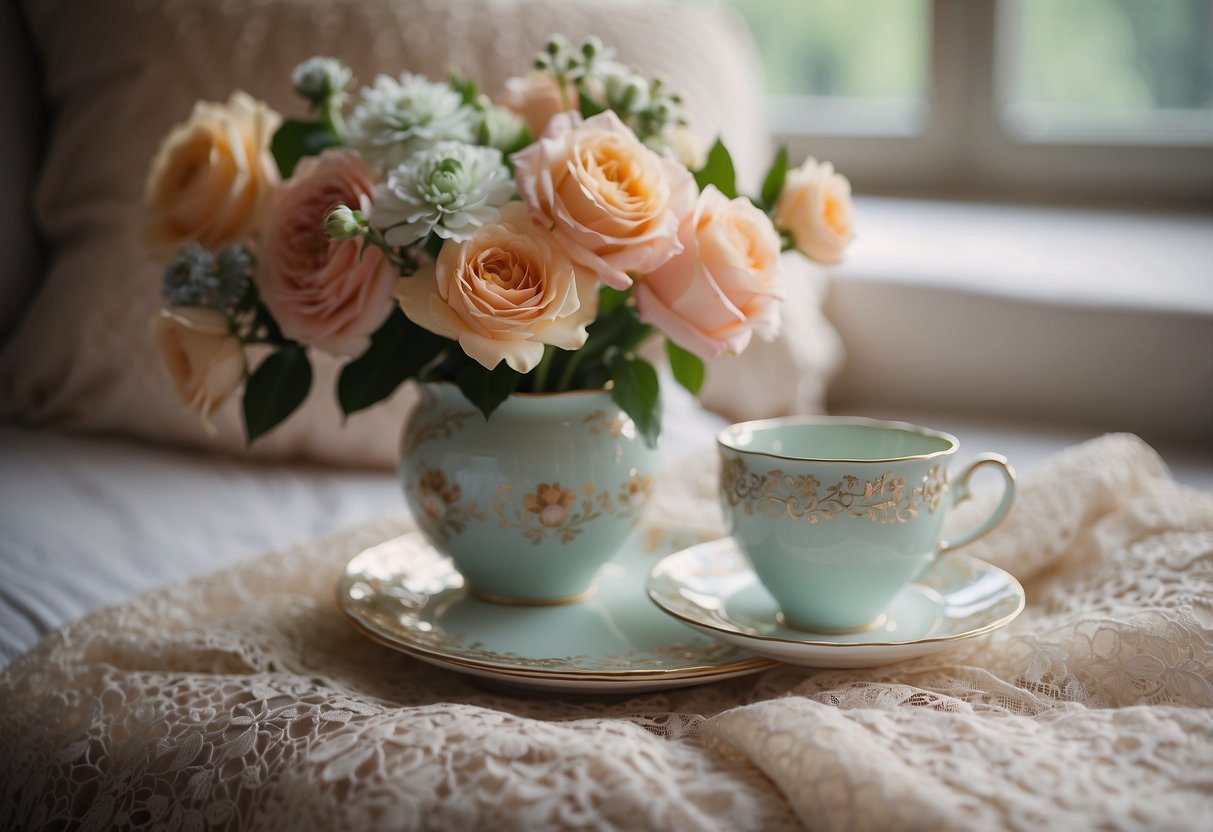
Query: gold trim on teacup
[[507, 601], [860, 421], [885, 499]]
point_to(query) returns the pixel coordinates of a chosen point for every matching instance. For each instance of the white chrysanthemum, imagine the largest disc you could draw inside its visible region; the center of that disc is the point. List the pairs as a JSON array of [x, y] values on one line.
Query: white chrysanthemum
[[451, 189], [397, 118]]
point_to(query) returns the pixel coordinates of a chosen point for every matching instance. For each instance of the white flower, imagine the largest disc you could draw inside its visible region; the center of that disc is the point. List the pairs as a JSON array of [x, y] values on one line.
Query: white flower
[[397, 118], [451, 189], [321, 79]]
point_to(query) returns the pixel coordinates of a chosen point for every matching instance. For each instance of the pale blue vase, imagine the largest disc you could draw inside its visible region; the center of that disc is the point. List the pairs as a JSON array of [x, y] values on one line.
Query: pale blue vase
[[530, 503]]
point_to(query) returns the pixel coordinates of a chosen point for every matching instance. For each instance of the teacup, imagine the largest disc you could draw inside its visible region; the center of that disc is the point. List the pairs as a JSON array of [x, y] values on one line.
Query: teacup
[[836, 515]]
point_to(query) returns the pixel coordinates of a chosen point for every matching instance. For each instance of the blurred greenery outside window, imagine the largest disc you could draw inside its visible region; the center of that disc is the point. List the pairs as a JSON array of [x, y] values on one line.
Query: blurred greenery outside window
[[996, 93], [1139, 69], [835, 66]]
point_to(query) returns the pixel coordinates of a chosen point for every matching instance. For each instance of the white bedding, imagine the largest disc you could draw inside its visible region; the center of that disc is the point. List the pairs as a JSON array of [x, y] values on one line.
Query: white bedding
[[89, 522]]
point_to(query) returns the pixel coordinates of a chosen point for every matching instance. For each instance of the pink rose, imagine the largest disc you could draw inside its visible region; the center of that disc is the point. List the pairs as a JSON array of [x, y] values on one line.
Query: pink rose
[[323, 292], [613, 204], [724, 286]]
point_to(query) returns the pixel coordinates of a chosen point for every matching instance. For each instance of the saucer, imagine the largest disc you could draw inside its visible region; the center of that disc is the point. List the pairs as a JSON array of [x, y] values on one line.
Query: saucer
[[712, 588], [406, 595]]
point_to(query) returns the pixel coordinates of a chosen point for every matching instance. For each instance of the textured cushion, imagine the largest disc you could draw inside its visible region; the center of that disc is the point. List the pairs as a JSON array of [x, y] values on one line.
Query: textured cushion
[[120, 73]]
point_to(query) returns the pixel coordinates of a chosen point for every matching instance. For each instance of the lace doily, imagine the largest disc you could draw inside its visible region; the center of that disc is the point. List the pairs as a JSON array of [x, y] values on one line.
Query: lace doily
[[244, 700]]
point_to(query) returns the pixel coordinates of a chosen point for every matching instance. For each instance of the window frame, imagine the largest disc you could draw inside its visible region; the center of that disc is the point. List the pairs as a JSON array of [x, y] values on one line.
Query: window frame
[[966, 149]]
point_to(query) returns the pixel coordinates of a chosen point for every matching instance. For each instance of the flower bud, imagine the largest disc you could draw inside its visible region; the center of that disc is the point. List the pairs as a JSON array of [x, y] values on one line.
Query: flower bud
[[321, 79], [627, 92], [591, 47], [343, 223]]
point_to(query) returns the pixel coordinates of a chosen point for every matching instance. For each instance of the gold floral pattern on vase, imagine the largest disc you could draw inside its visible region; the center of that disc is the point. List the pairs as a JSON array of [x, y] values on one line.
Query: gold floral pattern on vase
[[552, 509], [442, 514], [551, 504], [442, 425], [886, 499], [601, 422]]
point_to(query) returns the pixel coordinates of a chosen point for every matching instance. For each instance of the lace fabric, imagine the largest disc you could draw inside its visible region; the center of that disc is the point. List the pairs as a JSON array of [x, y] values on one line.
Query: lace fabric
[[244, 700]]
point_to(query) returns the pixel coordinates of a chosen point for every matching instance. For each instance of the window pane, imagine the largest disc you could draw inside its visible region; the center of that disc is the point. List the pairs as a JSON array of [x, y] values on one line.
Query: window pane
[[855, 66], [1111, 69]]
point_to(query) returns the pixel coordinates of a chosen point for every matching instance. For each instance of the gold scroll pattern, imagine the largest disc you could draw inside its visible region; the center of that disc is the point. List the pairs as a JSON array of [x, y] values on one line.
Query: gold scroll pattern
[[886, 499]]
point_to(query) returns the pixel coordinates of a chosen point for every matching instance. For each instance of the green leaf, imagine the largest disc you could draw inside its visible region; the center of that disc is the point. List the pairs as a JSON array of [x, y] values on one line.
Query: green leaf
[[487, 389], [687, 367], [466, 88], [266, 327], [772, 186], [399, 350], [588, 106], [275, 389], [296, 139], [619, 329], [718, 171], [432, 244], [611, 299], [638, 393]]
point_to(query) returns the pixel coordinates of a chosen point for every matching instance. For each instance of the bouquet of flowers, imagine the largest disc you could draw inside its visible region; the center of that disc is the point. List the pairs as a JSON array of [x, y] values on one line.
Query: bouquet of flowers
[[531, 244]]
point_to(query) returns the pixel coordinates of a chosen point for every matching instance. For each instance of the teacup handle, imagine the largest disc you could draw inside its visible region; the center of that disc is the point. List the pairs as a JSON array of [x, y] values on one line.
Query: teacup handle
[[960, 493]]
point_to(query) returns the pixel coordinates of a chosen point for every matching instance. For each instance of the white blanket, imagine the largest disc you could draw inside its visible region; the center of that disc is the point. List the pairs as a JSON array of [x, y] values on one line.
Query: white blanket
[[244, 700]]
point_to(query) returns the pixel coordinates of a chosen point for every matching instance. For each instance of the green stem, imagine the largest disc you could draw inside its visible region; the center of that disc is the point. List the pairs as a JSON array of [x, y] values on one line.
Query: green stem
[[539, 380], [331, 113], [570, 368], [372, 237]]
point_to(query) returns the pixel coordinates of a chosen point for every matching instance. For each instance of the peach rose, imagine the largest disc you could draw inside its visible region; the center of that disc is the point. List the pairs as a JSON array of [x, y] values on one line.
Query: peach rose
[[213, 176], [724, 286], [536, 97], [613, 204], [203, 356], [815, 207], [503, 293], [323, 292]]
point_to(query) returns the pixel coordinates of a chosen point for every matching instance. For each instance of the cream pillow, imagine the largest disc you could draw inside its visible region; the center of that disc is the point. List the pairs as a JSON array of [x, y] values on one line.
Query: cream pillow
[[118, 75]]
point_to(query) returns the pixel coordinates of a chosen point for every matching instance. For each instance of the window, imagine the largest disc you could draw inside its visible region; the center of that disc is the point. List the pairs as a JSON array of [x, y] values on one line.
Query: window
[[1073, 99], [1139, 71], [832, 70]]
